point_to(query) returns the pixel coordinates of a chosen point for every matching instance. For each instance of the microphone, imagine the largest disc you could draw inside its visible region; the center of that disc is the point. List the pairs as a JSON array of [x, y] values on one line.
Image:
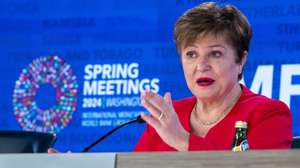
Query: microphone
[[138, 120]]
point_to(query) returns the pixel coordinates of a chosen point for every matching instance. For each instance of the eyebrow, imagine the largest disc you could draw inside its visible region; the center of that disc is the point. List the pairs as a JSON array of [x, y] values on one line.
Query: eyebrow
[[216, 45], [210, 46]]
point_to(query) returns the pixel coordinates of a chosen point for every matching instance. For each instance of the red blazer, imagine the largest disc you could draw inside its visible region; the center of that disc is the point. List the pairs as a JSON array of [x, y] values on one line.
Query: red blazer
[[269, 126]]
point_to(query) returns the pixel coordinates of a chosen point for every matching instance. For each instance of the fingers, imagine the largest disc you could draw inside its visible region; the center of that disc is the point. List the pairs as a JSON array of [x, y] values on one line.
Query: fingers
[[52, 150], [150, 120], [157, 101], [160, 108], [150, 107], [168, 98]]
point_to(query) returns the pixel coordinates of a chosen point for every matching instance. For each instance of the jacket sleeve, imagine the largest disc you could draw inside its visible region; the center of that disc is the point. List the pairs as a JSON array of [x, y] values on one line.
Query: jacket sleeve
[[143, 143], [150, 141]]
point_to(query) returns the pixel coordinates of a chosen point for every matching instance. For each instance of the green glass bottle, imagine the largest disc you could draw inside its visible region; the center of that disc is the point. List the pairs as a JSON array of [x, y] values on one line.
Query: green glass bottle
[[240, 142]]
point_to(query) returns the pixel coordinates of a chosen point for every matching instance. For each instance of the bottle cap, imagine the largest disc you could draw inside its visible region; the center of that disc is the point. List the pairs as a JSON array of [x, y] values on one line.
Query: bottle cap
[[240, 124]]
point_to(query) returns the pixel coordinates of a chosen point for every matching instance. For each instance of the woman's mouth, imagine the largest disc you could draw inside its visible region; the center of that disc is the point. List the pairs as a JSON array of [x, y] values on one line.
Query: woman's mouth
[[205, 81]]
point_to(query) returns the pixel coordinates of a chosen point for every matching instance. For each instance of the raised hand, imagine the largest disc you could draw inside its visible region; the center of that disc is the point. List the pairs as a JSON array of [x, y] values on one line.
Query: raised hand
[[52, 150], [164, 120]]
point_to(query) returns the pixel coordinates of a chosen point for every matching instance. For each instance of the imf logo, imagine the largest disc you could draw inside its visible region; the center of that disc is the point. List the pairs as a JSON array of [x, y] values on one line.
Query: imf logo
[[45, 95]]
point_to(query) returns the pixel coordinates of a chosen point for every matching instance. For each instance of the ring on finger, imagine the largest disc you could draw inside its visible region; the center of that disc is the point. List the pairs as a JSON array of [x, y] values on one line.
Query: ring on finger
[[160, 116]]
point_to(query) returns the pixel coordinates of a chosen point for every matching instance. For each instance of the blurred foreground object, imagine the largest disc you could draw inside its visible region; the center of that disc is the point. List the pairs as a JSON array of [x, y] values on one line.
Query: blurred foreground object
[[25, 142]]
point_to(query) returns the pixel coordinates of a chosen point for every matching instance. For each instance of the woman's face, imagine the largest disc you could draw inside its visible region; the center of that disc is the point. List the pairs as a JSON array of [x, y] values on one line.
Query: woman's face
[[209, 67]]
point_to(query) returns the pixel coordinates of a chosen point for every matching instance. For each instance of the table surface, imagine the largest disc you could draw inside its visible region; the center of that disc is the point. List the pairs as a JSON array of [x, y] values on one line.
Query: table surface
[[220, 159], [213, 159]]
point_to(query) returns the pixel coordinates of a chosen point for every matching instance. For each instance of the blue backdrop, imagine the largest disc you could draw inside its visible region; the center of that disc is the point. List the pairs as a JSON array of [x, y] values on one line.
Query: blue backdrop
[[77, 67]]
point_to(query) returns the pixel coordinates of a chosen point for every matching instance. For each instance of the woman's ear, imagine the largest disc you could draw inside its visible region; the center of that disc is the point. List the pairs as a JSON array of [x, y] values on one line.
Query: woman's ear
[[243, 61]]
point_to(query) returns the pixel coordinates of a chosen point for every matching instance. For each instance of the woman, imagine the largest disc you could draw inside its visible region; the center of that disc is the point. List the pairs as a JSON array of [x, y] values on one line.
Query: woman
[[213, 44]]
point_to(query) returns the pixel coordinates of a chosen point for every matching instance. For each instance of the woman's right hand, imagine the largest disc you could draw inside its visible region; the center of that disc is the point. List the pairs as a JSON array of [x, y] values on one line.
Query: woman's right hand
[[52, 150], [164, 120]]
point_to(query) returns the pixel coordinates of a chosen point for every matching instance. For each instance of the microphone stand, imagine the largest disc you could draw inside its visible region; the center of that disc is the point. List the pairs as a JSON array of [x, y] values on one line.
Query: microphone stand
[[138, 120]]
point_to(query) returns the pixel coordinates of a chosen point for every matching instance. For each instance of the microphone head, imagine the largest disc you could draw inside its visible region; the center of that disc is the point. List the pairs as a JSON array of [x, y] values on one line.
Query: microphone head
[[139, 119]]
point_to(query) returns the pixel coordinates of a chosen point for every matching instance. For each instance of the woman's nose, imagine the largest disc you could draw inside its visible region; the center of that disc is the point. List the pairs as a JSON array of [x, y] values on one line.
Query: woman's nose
[[203, 65]]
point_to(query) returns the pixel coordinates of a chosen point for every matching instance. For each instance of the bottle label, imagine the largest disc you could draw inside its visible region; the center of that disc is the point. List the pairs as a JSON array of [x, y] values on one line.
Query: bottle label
[[244, 146]]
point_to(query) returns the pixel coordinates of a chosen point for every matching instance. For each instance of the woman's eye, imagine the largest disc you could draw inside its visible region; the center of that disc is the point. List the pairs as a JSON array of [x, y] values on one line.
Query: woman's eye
[[216, 54], [191, 54]]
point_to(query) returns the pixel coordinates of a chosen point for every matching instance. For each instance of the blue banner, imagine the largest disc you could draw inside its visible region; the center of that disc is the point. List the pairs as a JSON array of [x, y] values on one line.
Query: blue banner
[[77, 67]]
